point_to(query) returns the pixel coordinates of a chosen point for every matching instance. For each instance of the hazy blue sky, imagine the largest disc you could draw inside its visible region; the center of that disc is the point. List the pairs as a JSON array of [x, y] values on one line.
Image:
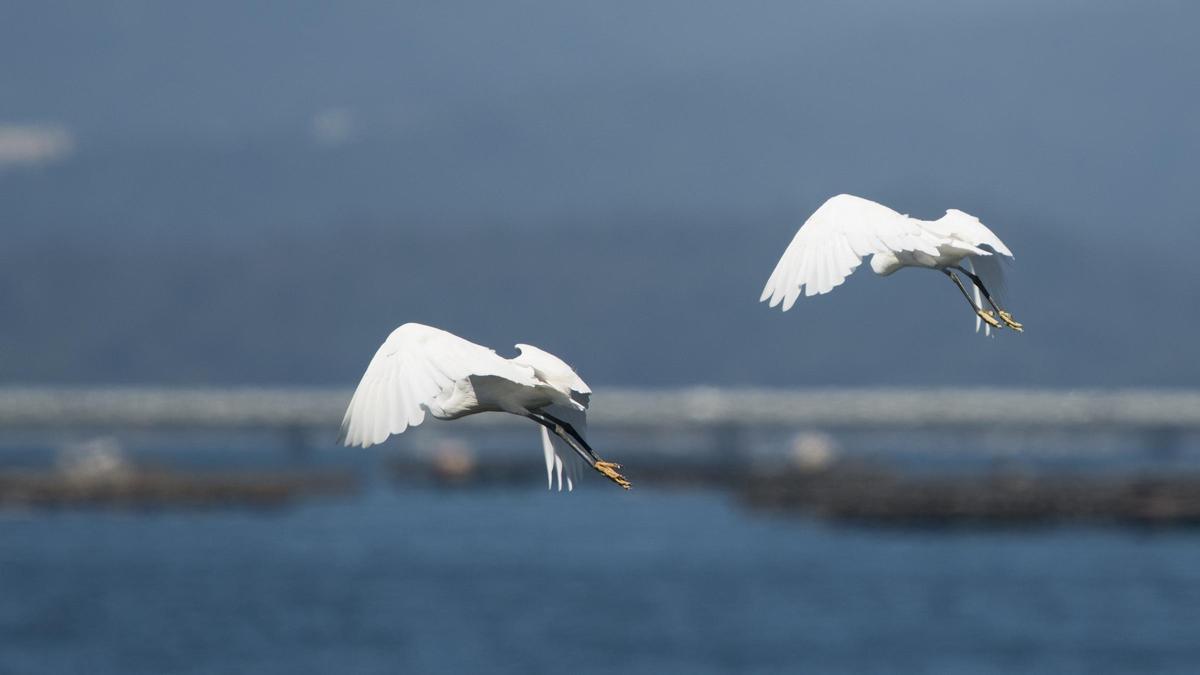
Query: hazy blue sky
[[260, 193]]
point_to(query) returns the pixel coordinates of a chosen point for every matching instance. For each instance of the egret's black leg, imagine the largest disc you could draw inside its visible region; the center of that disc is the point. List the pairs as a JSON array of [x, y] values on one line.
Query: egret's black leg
[[570, 435], [957, 282], [572, 438], [991, 320], [979, 283], [1008, 319]]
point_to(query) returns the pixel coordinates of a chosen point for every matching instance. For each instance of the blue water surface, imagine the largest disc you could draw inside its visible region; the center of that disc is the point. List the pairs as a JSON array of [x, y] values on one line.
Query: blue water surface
[[600, 581]]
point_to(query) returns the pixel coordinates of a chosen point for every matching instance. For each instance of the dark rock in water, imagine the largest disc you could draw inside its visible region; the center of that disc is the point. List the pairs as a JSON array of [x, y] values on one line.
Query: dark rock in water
[[874, 496], [168, 489]]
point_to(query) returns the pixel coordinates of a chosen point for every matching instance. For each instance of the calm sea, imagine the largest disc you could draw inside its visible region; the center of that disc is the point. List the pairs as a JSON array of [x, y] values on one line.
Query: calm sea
[[521, 581]]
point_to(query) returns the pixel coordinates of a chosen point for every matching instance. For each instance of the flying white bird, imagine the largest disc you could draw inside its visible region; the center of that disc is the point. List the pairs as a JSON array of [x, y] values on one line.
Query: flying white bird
[[831, 244], [421, 369]]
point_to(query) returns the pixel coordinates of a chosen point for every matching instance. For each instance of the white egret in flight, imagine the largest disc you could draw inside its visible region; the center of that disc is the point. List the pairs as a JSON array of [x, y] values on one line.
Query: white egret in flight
[[833, 241], [421, 369]]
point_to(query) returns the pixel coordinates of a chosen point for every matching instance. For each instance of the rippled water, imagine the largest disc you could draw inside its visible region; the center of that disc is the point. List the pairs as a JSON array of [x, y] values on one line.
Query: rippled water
[[519, 581]]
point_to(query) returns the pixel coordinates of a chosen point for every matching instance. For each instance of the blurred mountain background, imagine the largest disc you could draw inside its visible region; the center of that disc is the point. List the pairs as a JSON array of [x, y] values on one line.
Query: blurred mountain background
[[219, 193]]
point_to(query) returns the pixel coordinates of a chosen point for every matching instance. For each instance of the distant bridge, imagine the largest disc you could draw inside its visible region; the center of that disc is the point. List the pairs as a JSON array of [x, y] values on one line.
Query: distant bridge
[[320, 409]]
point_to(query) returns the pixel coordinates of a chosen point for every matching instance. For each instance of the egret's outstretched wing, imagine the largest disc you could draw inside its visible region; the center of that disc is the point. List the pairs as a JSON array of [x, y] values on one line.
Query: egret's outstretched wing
[[410, 371], [551, 370], [833, 241], [965, 231]]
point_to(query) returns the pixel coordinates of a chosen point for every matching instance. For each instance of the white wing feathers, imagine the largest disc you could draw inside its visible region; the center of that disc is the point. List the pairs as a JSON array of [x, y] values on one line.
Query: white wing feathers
[[551, 370], [965, 231], [419, 369], [407, 376], [833, 241]]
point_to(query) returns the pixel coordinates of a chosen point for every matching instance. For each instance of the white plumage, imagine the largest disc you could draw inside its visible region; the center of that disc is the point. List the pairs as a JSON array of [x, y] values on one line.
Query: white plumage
[[420, 369], [832, 243]]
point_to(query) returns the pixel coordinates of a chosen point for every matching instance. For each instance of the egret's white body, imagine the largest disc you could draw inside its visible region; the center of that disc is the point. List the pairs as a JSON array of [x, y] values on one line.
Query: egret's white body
[[420, 369], [832, 243]]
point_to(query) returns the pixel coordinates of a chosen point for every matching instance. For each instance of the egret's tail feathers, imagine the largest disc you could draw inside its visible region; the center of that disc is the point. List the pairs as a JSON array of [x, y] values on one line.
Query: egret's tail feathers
[[987, 328], [991, 270], [548, 452], [562, 466]]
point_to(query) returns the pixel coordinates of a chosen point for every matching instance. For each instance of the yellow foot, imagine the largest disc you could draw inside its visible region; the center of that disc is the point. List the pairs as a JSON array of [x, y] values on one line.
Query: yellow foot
[[991, 320], [609, 469], [1012, 323]]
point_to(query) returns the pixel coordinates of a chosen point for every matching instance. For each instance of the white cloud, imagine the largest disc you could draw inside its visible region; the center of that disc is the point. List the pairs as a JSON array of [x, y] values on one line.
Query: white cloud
[[333, 126], [34, 144]]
